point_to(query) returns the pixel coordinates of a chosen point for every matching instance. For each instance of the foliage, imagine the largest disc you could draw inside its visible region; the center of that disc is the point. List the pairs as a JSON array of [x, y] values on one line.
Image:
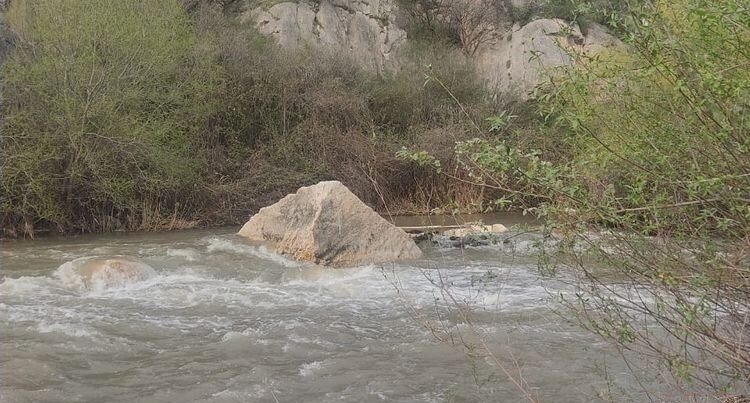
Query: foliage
[[426, 21], [120, 121], [104, 105], [610, 13], [662, 143], [657, 147], [321, 116], [468, 24], [500, 121], [410, 97]]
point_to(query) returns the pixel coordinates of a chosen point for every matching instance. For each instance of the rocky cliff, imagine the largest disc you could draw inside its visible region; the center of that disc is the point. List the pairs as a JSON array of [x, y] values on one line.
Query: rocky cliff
[[362, 29], [510, 57], [514, 63]]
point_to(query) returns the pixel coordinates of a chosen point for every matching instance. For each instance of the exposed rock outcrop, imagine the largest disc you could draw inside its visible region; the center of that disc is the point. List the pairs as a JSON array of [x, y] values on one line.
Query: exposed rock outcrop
[[361, 29], [327, 224], [512, 61], [514, 64]]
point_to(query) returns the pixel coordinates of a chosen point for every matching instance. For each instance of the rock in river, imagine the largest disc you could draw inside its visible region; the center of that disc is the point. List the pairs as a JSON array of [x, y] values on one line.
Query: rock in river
[[110, 272], [327, 224]]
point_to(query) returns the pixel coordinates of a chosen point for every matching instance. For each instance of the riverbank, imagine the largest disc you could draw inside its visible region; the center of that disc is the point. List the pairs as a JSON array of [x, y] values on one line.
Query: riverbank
[[410, 220]]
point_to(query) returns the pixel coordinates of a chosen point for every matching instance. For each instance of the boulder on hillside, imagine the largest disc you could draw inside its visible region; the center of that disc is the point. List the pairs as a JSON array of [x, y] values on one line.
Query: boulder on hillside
[[327, 224], [517, 62]]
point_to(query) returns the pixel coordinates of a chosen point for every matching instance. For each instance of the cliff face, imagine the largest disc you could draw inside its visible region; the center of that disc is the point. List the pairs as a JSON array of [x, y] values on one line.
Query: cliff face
[[514, 63], [364, 30], [510, 57]]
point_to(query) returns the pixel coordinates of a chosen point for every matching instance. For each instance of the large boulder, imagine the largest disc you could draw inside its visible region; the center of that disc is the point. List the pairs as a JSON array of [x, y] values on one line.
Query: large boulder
[[361, 29], [327, 224], [515, 63]]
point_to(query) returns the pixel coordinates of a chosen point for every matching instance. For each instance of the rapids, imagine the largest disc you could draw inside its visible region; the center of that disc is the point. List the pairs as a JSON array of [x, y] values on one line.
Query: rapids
[[220, 320]]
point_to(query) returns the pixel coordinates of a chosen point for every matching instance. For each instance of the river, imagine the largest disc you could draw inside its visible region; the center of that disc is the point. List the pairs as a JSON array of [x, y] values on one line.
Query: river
[[225, 321]]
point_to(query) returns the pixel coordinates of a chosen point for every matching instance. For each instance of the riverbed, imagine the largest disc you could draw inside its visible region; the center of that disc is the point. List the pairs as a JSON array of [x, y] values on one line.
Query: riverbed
[[226, 321]]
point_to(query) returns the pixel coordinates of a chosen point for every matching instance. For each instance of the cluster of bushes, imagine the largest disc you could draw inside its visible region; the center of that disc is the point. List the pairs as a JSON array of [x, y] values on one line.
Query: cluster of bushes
[[651, 142], [105, 108], [142, 115], [469, 24], [661, 139]]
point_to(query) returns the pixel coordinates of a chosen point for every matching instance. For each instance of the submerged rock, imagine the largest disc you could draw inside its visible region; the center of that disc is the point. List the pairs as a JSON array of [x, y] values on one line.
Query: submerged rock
[[105, 273], [327, 224], [469, 235]]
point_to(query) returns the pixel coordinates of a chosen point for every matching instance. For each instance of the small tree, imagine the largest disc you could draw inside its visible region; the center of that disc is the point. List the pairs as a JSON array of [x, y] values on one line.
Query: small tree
[[474, 22], [467, 23]]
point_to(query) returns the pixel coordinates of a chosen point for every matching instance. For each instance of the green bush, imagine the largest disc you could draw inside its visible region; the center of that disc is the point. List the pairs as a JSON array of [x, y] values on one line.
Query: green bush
[[656, 141], [410, 97], [136, 115], [105, 104]]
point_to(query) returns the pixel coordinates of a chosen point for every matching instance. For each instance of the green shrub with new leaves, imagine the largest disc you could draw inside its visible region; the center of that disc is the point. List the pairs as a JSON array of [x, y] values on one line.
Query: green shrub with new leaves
[[660, 134], [105, 103], [646, 192]]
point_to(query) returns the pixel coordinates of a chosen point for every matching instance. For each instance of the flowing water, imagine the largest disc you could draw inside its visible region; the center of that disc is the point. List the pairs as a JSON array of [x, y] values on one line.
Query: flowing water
[[220, 320]]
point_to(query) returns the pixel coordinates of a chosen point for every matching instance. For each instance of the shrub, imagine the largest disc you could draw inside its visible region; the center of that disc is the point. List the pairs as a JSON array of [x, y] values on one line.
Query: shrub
[[320, 115], [468, 24], [646, 190], [658, 140], [105, 102], [116, 120]]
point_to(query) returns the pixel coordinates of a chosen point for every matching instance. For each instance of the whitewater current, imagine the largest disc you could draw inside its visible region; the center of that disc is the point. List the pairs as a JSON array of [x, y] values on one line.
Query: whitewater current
[[221, 320]]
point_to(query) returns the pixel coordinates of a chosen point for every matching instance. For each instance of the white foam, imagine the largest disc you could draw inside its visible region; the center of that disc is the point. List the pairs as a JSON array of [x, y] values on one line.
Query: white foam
[[230, 336], [225, 245], [25, 285], [357, 288], [189, 254], [69, 276], [310, 368], [68, 329]]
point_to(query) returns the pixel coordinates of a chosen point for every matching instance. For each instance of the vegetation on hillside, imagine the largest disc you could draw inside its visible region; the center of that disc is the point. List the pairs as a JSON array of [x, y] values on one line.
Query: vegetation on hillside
[[105, 107], [137, 115]]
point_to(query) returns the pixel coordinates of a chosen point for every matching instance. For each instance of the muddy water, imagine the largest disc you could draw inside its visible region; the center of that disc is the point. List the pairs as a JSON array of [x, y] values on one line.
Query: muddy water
[[223, 321]]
